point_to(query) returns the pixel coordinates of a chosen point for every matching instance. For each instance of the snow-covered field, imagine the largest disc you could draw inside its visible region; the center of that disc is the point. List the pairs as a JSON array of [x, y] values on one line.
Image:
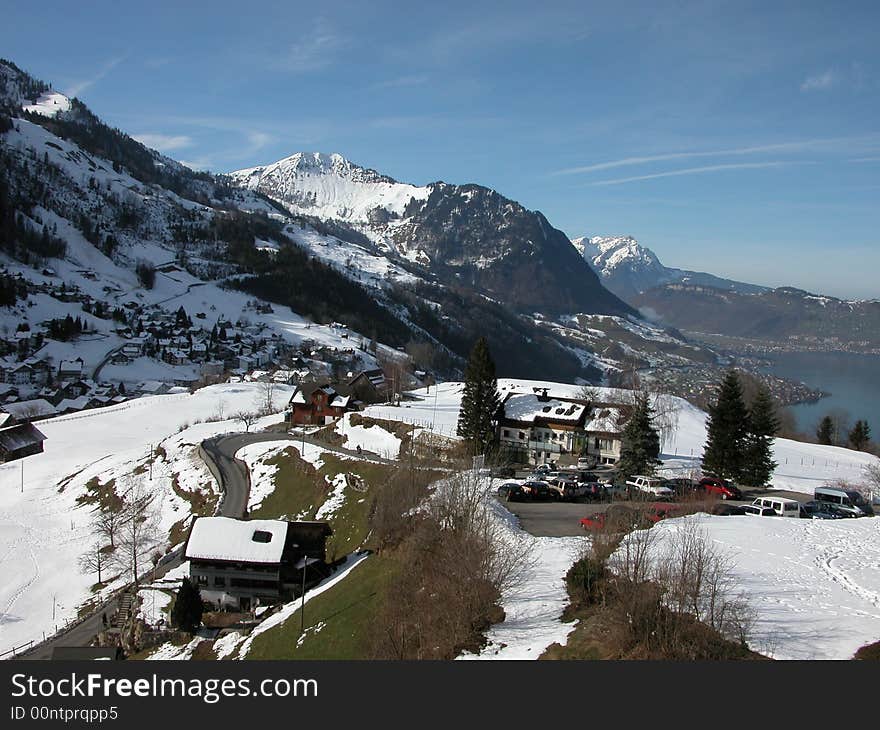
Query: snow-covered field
[[371, 438], [814, 584], [42, 528]]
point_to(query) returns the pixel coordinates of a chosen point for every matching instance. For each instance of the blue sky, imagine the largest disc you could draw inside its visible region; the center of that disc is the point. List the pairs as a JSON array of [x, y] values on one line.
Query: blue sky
[[727, 136]]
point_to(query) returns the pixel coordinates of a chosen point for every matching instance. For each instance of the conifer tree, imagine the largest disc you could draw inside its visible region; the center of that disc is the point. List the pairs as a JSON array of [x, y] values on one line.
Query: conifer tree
[[639, 442], [758, 465], [187, 611], [860, 435], [480, 400], [825, 431], [727, 428]]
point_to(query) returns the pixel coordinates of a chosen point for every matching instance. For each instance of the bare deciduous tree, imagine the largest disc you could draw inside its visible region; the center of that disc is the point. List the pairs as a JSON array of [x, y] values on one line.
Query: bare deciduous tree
[[248, 418], [93, 561], [265, 399], [138, 532]]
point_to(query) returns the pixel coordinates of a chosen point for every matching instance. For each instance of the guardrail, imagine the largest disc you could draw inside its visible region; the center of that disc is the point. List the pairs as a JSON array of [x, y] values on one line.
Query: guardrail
[[16, 648]]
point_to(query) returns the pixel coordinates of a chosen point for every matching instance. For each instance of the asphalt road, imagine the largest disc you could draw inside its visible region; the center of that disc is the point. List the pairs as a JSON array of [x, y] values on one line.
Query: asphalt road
[[562, 519], [235, 484]]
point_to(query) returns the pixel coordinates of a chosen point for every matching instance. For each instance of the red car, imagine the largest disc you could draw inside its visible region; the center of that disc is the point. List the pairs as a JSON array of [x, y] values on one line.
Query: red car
[[720, 488], [661, 511], [618, 518]]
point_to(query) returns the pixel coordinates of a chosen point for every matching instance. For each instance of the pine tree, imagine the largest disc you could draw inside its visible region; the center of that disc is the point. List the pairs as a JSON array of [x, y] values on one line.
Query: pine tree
[[639, 442], [860, 435], [187, 611], [825, 431], [758, 465], [480, 400], [727, 428]]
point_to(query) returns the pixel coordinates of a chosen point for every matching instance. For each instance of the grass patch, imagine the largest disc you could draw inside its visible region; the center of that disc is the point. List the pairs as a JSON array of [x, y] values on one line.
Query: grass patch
[[345, 613], [202, 502], [101, 495], [299, 490]]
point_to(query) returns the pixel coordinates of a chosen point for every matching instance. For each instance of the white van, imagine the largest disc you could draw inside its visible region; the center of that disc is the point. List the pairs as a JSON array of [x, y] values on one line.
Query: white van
[[845, 500], [780, 505]]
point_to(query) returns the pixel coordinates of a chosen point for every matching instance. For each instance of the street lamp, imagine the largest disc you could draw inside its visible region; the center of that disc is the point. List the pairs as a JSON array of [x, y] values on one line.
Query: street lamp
[[303, 563]]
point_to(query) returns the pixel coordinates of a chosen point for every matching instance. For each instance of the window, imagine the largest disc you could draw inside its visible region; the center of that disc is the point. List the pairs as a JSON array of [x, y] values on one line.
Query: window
[[261, 536], [506, 433], [219, 580]]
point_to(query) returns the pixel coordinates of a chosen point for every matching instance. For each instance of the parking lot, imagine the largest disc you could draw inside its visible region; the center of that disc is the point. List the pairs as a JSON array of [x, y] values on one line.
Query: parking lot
[[562, 519]]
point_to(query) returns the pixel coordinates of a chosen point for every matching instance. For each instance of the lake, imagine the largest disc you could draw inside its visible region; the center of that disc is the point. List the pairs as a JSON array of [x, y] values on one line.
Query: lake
[[853, 382]]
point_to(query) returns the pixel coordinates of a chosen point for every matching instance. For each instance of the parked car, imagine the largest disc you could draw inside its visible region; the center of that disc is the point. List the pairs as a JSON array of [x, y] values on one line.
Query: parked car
[[824, 511], [727, 510], [683, 486], [538, 490], [617, 518], [567, 489], [755, 510], [586, 462], [595, 492], [718, 487], [650, 487], [661, 511], [845, 500], [511, 492], [781, 506]]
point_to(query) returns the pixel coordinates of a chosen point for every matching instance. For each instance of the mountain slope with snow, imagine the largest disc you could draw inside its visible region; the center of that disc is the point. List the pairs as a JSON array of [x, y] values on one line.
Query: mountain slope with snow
[[329, 186], [627, 268]]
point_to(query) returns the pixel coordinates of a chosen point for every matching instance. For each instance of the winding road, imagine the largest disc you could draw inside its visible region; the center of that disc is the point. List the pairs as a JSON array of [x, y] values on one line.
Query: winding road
[[234, 480]]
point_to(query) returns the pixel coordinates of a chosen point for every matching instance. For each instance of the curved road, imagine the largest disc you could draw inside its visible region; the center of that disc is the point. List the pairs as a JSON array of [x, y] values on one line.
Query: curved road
[[219, 454]]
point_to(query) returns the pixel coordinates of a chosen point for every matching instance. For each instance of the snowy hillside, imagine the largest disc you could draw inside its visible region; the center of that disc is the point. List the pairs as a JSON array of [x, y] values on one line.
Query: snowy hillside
[[44, 523]]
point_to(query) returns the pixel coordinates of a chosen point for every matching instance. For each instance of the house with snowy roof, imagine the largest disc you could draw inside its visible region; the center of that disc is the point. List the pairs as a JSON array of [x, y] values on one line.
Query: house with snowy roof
[[539, 428], [19, 440], [70, 369], [318, 403], [240, 564]]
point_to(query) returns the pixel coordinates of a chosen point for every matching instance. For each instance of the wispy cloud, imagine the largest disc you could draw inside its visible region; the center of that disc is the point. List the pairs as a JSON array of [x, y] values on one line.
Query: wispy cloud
[[798, 146], [81, 86], [820, 82], [164, 142], [402, 81], [700, 170], [316, 50]]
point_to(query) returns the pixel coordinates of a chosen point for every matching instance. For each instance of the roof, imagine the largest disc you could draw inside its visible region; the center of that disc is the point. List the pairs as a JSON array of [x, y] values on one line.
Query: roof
[[13, 438], [528, 407], [224, 538], [36, 408], [604, 420]]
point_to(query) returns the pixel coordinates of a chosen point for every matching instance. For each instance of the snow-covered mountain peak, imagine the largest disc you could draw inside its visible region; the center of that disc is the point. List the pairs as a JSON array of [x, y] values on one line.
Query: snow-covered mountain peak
[[608, 253], [329, 186]]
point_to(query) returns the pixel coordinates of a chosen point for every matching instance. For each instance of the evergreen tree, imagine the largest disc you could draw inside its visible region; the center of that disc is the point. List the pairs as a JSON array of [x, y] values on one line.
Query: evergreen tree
[[727, 428], [187, 611], [758, 465], [639, 442], [480, 400], [860, 435], [825, 431]]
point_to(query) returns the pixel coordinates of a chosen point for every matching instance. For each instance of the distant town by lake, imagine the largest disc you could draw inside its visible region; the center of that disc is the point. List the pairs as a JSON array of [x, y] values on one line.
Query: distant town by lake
[[851, 380]]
